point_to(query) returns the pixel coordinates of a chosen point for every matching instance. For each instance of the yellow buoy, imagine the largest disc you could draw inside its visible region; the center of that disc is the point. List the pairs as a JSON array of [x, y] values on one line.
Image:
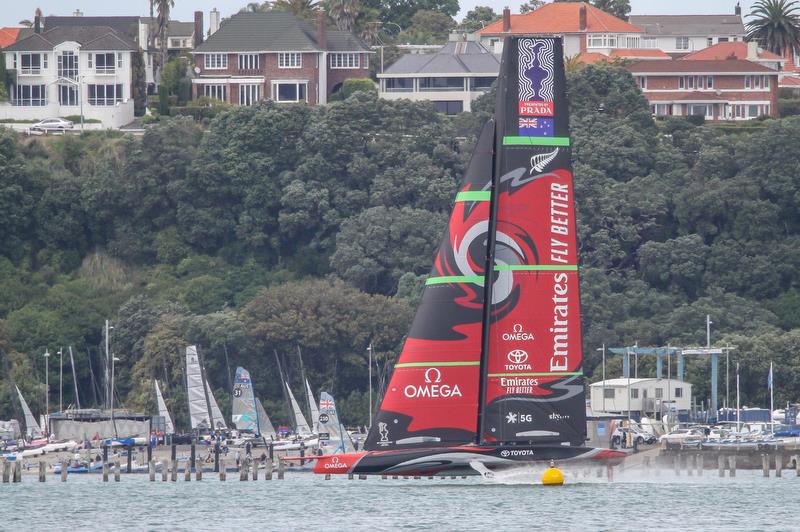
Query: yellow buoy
[[552, 476]]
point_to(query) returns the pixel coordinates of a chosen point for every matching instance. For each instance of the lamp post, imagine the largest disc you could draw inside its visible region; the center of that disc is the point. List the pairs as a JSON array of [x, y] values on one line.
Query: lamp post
[[47, 391], [113, 360], [60, 379]]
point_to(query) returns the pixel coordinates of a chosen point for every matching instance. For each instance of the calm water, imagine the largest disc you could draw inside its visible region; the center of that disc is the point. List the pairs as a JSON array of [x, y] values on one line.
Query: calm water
[[306, 502]]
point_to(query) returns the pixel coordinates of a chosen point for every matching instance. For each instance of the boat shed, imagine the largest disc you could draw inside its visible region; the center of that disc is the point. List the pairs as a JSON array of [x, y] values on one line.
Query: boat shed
[[648, 396]]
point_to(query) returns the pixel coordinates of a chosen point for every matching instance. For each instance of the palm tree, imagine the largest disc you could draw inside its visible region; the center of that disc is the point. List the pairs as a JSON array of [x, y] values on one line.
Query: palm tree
[[255, 7], [775, 25], [343, 13], [299, 8], [27, 23], [163, 7]]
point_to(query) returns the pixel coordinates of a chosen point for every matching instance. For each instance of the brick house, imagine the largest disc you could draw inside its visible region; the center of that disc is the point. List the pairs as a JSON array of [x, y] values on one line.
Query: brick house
[[728, 89], [277, 56]]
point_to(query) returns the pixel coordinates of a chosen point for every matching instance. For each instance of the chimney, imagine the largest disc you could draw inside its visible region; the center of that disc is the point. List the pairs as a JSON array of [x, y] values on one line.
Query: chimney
[[77, 13], [198, 28], [37, 21], [213, 21], [506, 20], [322, 38], [582, 17], [752, 51], [738, 9]]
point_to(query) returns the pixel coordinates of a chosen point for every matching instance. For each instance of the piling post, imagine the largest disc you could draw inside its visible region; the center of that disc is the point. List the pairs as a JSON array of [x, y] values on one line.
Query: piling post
[[700, 464], [327, 476], [364, 477], [243, 470], [610, 473], [216, 457], [384, 477], [765, 465], [151, 470], [732, 466], [105, 453], [7, 472], [17, 477], [43, 468], [64, 466], [302, 453], [268, 473], [281, 468], [130, 457], [164, 469], [721, 465], [691, 464], [349, 476], [149, 452], [187, 473], [105, 471], [117, 470], [255, 469], [271, 451], [797, 465], [198, 473], [192, 458], [222, 472], [173, 452], [174, 477], [676, 462], [778, 465]]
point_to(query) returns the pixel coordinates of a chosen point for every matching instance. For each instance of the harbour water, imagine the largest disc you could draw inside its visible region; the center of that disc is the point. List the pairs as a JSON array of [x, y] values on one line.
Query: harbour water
[[307, 502]]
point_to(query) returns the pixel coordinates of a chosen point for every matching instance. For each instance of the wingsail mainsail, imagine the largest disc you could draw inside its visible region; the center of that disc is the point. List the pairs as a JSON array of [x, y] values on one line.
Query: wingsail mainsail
[[169, 428], [333, 438], [301, 425], [248, 414], [500, 361], [203, 409], [312, 404], [32, 428]]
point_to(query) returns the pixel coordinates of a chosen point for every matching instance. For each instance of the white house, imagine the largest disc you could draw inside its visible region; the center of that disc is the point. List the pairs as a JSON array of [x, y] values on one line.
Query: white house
[[640, 396], [69, 71], [689, 33]]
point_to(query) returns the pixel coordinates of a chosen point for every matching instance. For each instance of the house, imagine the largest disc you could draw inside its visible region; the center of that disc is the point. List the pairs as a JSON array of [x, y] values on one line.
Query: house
[[748, 51], [583, 27], [640, 396], [728, 89], [277, 56], [451, 78], [689, 33], [71, 70]]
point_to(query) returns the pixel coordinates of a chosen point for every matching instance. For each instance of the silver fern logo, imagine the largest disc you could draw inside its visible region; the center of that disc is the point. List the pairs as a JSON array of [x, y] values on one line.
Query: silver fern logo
[[540, 161]]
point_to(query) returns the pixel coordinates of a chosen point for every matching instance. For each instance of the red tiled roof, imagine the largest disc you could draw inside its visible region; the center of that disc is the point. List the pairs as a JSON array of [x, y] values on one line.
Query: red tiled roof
[[790, 81], [8, 36], [639, 53], [563, 17], [590, 58], [726, 50], [732, 66]]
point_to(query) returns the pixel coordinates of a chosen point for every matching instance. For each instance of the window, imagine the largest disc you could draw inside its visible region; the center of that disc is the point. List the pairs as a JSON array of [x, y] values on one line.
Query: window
[[659, 393], [441, 84], [681, 82], [634, 393], [89, 60], [290, 60], [748, 82], [649, 42], [105, 94], [14, 61], [67, 65], [248, 62], [601, 40], [33, 64], [119, 59], [290, 91], [399, 84], [104, 63], [660, 109], [609, 393], [709, 82], [681, 43], [766, 82], [249, 94], [30, 95], [752, 111], [724, 39], [678, 392], [710, 41], [216, 61], [449, 108], [766, 109], [700, 109], [345, 60], [642, 80], [633, 42], [218, 92], [481, 83], [67, 95]]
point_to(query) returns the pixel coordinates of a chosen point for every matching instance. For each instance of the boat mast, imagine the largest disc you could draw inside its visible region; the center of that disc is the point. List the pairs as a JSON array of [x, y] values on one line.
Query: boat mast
[[288, 406], [74, 378], [205, 390]]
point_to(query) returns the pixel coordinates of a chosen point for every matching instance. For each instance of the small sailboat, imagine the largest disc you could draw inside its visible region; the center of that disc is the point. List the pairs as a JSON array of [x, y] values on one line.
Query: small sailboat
[[312, 405], [490, 374], [333, 438], [169, 428], [204, 412], [248, 413], [302, 428], [32, 429]]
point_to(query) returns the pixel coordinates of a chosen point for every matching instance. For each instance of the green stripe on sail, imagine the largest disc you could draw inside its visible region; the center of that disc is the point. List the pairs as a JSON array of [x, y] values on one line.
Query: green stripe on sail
[[474, 195], [536, 267], [455, 279], [433, 364], [543, 374], [535, 141]]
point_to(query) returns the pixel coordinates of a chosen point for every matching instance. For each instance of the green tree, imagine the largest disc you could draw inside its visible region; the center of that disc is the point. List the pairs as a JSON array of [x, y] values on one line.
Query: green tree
[[299, 8], [163, 8], [428, 27], [775, 24], [530, 5], [618, 8], [478, 18], [343, 12]]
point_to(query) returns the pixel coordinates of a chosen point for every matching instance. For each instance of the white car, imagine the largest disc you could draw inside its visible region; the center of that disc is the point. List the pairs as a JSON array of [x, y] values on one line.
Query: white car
[[682, 435], [52, 124]]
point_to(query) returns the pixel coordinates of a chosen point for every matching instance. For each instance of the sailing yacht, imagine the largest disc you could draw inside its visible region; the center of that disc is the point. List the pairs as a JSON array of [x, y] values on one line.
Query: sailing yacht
[[490, 375], [169, 428], [204, 412], [302, 430], [248, 413], [333, 437]]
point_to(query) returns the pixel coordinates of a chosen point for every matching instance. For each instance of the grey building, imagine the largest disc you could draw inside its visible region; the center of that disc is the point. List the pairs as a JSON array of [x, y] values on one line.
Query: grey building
[[459, 72], [689, 33]]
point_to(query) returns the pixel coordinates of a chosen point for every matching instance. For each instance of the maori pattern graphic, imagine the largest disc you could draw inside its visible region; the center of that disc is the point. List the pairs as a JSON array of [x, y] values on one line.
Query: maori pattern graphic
[[536, 69]]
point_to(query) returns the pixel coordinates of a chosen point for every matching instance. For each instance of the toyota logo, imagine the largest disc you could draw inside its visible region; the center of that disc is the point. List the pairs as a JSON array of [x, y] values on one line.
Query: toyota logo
[[504, 452], [517, 356]]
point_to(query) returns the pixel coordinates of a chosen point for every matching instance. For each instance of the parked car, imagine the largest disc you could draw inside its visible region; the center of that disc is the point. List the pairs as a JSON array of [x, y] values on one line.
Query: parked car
[[683, 435], [52, 124]]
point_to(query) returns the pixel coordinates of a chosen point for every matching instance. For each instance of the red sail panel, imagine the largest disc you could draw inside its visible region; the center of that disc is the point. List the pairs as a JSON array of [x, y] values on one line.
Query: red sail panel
[[533, 389], [432, 397]]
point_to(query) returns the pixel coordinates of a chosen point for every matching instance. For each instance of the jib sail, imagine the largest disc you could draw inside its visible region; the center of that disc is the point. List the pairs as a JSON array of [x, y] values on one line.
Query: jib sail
[[432, 398], [532, 383]]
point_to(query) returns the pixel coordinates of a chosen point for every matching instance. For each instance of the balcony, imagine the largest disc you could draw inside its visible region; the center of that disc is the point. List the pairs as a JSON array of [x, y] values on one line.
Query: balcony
[[104, 71], [30, 71]]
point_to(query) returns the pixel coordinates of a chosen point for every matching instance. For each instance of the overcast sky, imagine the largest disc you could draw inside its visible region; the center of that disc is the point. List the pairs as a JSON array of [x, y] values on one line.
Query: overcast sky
[[12, 11]]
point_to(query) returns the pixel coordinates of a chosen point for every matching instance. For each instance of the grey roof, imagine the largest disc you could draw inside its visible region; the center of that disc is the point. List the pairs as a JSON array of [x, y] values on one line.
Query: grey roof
[[275, 31], [125, 25], [689, 25], [175, 28], [459, 57], [89, 37]]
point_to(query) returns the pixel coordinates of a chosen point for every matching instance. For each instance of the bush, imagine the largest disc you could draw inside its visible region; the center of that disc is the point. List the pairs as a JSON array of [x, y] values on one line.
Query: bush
[[163, 100], [789, 107], [697, 120], [351, 86], [198, 113]]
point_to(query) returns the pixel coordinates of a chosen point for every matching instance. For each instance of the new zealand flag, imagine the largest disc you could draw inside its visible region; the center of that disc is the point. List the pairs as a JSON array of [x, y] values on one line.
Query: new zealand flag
[[536, 127]]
